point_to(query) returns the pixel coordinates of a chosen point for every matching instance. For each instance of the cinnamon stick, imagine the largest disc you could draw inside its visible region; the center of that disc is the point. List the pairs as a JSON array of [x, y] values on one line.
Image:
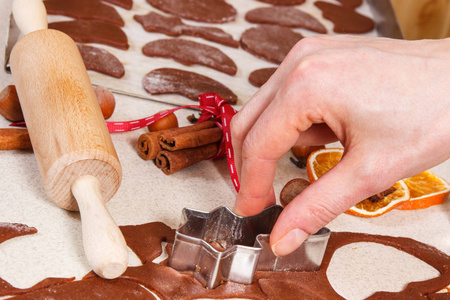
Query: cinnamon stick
[[148, 143], [173, 141], [10, 105], [14, 138], [173, 161]]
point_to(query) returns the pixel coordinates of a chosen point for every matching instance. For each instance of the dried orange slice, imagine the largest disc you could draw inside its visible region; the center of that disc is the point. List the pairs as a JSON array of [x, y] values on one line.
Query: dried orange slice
[[320, 161], [368, 208], [426, 189]]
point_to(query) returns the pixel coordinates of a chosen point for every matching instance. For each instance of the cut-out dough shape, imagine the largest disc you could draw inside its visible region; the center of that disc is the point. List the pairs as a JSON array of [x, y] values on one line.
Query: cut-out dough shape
[[90, 31], [208, 11], [189, 53], [174, 26], [270, 42], [84, 9], [285, 16], [185, 83], [102, 61]]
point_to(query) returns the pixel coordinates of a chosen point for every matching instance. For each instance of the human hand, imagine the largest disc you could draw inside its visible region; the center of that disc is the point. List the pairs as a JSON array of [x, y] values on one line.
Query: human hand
[[388, 103]]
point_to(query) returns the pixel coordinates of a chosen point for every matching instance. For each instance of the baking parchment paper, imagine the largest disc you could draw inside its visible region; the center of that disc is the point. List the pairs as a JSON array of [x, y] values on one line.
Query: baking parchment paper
[[137, 65]]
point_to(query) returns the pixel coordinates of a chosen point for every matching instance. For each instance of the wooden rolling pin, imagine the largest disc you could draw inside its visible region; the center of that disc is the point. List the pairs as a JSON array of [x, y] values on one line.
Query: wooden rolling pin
[[76, 157]]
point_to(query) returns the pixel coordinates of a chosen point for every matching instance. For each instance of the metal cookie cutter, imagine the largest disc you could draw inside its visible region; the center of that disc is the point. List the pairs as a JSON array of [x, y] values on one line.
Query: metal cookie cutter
[[219, 246]]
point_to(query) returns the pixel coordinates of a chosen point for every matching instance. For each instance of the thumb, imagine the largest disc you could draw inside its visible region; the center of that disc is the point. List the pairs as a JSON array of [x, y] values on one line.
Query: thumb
[[332, 194]]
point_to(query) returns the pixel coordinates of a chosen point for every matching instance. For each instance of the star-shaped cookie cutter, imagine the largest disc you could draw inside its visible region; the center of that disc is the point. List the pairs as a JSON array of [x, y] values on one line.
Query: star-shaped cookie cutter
[[221, 246]]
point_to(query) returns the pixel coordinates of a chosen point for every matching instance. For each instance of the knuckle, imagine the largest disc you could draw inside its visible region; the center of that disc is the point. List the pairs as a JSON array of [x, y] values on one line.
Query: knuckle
[[309, 69], [235, 129], [303, 48], [318, 215], [311, 65], [308, 44]]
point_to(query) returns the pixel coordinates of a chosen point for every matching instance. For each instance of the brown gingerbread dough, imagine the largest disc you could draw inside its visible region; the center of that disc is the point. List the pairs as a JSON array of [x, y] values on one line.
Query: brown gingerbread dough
[[12, 230], [185, 83], [270, 42], [91, 31], [167, 283], [216, 11], [84, 9], [127, 4], [285, 16], [345, 19], [260, 76], [189, 53], [283, 2], [92, 288], [102, 61], [174, 26], [351, 3]]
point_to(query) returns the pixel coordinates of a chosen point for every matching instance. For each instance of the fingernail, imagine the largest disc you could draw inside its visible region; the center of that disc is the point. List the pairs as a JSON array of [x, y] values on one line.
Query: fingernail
[[238, 212], [290, 242]]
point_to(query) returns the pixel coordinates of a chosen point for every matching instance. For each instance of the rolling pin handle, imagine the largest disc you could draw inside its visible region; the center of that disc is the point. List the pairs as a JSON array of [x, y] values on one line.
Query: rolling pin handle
[[103, 242], [29, 15]]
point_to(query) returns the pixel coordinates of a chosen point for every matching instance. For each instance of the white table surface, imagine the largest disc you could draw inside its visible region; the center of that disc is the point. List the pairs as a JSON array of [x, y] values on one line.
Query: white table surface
[[147, 195]]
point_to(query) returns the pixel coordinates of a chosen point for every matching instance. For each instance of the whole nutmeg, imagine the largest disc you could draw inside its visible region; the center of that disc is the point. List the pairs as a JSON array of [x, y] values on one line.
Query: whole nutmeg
[[10, 105], [167, 122], [301, 153], [305, 151], [292, 189], [106, 101]]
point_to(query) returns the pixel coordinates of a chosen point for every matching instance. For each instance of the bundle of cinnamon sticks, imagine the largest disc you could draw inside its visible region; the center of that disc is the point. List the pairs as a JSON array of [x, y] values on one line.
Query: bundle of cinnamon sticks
[[178, 148]]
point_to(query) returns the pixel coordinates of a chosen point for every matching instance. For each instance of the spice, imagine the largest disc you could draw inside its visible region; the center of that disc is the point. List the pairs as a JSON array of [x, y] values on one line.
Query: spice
[[173, 141], [14, 138], [382, 195], [173, 161], [167, 122], [292, 189], [10, 105], [177, 148]]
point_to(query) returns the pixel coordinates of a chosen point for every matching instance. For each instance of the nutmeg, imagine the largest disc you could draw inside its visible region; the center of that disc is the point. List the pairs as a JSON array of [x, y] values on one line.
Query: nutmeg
[[292, 189], [106, 101], [301, 153], [167, 122], [305, 151], [10, 105]]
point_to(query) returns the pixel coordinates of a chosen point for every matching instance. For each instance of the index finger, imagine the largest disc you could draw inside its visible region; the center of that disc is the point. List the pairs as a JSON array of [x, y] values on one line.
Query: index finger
[[272, 135]]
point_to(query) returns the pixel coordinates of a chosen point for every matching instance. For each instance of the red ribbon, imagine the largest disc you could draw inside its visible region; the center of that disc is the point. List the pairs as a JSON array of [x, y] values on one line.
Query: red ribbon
[[212, 106], [220, 109]]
